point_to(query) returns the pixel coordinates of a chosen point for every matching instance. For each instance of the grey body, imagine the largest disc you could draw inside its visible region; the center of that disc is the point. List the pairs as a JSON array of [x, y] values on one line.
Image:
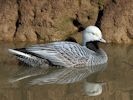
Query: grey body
[[66, 54]]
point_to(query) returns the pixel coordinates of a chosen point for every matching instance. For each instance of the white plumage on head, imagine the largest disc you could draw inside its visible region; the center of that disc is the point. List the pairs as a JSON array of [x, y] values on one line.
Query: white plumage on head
[[92, 33]]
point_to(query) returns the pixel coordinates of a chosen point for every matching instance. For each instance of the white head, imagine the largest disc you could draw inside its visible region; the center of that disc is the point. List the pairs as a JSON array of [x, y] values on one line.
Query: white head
[[92, 33]]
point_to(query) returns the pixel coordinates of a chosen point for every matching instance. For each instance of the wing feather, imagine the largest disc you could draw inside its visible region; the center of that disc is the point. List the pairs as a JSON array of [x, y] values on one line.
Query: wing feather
[[65, 54]]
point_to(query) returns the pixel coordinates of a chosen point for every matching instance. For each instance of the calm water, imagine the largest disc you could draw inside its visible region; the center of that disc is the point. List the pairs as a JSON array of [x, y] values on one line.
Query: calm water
[[67, 84]]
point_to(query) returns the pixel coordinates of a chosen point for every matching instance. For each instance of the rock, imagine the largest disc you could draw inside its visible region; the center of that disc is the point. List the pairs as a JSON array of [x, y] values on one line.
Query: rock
[[44, 20], [117, 21], [53, 20], [8, 16]]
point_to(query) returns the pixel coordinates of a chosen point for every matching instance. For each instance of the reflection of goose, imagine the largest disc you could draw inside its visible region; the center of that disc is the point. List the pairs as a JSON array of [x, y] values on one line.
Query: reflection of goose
[[59, 76], [63, 76], [67, 54], [41, 76], [27, 72], [67, 75], [93, 89], [49, 76]]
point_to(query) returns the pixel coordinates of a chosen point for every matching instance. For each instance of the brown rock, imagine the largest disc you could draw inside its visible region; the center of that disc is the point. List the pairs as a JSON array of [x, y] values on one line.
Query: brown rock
[[117, 23], [44, 20], [53, 20], [8, 16]]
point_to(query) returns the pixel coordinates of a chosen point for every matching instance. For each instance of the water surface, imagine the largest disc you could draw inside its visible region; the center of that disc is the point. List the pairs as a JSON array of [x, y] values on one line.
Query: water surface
[[118, 76]]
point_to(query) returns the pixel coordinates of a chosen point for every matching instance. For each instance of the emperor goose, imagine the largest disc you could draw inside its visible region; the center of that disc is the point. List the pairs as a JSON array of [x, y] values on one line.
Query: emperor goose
[[66, 54]]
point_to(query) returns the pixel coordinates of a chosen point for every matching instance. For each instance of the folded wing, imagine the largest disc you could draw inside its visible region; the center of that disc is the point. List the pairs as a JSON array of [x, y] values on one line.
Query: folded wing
[[65, 54]]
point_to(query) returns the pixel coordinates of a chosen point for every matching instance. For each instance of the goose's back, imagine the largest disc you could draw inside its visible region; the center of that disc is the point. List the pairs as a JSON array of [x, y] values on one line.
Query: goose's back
[[67, 54]]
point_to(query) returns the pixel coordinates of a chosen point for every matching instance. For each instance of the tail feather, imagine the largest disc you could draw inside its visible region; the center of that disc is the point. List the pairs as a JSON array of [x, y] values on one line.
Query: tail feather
[[28, 58], [16, 52]]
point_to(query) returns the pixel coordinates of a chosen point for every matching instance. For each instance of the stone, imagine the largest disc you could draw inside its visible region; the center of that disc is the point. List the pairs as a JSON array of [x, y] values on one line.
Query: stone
[[116, 22], [8, 16], [44, 20], [55, 20]]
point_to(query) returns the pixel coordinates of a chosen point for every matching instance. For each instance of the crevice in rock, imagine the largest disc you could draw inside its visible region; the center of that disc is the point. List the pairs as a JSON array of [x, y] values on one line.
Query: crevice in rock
[[71, 39], [88, 17], [18, 18], [38, 36], [77, 24], [79, 1], [114, 1], [99, 18]]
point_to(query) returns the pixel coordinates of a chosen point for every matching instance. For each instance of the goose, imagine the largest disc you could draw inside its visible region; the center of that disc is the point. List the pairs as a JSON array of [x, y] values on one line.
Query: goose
[[65, 53]]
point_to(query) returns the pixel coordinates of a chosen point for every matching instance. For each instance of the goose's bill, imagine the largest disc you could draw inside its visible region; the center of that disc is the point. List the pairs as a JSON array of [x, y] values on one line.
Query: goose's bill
[[102, 40]]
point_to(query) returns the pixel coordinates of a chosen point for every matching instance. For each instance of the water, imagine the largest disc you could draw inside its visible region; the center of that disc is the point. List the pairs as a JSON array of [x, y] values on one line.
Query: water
[[68, 84]]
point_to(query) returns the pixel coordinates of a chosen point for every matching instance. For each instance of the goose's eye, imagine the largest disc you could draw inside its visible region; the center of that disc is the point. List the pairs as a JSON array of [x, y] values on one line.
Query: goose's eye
[[93, 33]]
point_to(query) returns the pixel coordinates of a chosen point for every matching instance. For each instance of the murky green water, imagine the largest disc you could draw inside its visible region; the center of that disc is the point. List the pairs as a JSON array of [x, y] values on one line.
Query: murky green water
[[68, 84]]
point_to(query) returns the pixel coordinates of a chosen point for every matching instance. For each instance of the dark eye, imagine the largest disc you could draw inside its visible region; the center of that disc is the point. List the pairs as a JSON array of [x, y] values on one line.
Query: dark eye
[[93, 33]]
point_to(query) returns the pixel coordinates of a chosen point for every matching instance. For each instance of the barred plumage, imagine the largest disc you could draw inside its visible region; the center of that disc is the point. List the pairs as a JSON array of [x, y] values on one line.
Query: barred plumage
[[67, 54]]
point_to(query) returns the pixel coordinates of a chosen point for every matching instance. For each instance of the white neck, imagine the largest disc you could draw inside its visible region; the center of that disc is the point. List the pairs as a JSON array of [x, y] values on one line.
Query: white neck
[[83, 39], [83, 43]]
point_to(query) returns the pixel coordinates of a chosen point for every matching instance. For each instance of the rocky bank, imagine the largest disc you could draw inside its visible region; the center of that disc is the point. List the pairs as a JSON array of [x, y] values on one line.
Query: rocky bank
[[53, 20]]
